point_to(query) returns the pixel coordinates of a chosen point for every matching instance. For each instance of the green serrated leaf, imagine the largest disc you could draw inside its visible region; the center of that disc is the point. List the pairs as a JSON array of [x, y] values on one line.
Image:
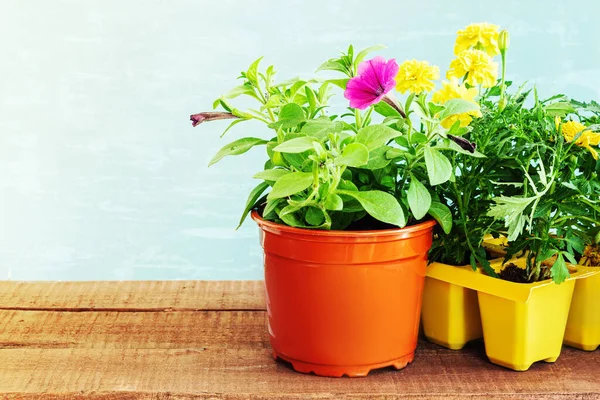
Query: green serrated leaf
[[290, 184], [237, 147], [560, 109], [559, 270], [511, 209]]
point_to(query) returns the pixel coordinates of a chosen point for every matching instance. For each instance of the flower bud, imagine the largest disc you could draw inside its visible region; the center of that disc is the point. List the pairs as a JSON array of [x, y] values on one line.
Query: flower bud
[[503, 41], [502, 103], [463, 143], [199, 118]]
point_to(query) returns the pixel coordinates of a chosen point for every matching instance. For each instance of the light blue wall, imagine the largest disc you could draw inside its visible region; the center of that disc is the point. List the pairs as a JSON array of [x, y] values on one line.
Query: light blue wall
[[101, 173]]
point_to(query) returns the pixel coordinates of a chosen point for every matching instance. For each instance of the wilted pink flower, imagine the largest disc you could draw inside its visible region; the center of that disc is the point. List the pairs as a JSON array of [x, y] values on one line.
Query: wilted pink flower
[[199, 118], [374, 79]]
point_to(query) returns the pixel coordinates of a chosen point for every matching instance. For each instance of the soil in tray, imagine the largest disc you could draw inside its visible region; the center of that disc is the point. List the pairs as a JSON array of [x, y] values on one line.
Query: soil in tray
[[512, 273]]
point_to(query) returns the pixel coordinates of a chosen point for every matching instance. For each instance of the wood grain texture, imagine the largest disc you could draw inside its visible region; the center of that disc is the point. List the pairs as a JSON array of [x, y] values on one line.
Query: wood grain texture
[[133, 295], [226, 354], [131, 348]]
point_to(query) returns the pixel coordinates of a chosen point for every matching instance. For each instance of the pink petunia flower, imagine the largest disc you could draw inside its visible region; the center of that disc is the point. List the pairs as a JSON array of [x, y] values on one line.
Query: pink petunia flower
[[374, 80]]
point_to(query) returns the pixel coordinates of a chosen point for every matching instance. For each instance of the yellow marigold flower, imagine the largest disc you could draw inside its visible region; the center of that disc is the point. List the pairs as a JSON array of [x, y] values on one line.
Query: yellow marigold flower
[[570, 129], [454, 90], [416, 76], [477, 66], [483, 34]]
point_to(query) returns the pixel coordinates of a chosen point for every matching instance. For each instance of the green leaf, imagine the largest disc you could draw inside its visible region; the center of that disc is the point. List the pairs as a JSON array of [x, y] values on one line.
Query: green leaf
[[380, 205], [384, 109], [252, 73], [353, 155], [434, 108], [287, 215], [296, 145], [363, 53], [378, 158], [314, 216], [319, 128], [290, 184], [418, 138], [274, 101], [418, 197], [333, 65], [240, 146], [311, 97], [290, 116], [255, 194], [341, 83], [442, 215], [457, 106], [439, 168], [511, 209], [271, 206], [447, 144], [559, 270], [334, 202], [232, 124], [561, 109], [346, 184], [246, 89], [375, 136], [271, 174]]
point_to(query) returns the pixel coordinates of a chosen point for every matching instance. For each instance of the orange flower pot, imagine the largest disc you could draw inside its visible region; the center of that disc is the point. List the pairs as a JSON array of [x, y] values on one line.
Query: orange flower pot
[[344, 302]]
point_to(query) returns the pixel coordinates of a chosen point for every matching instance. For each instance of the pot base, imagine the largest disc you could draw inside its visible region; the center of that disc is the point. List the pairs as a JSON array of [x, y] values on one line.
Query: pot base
[[337, 371], [519, 367]]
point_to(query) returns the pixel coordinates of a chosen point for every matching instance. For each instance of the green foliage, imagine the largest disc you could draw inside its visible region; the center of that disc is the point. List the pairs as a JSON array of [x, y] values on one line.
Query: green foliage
[[539, 190], [510, 172], [328, 172]]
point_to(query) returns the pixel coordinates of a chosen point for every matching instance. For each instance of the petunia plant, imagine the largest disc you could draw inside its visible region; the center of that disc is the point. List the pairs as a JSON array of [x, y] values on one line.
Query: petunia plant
[[376, 165]]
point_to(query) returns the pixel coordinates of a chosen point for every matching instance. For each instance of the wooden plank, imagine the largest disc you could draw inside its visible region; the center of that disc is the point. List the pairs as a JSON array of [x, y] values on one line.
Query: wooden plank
[[239, 372], [226, 355], [133, 296], [132, 330]]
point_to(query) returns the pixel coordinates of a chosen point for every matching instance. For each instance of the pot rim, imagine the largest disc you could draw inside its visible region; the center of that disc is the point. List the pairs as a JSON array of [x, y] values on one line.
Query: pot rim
[[411, 230]]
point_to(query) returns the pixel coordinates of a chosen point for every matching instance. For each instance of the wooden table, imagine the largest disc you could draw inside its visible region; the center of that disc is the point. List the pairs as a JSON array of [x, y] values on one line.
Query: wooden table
[[208, 340]]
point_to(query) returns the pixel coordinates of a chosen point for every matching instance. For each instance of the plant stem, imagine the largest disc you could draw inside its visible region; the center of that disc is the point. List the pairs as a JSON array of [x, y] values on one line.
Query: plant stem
[[358, 119]]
